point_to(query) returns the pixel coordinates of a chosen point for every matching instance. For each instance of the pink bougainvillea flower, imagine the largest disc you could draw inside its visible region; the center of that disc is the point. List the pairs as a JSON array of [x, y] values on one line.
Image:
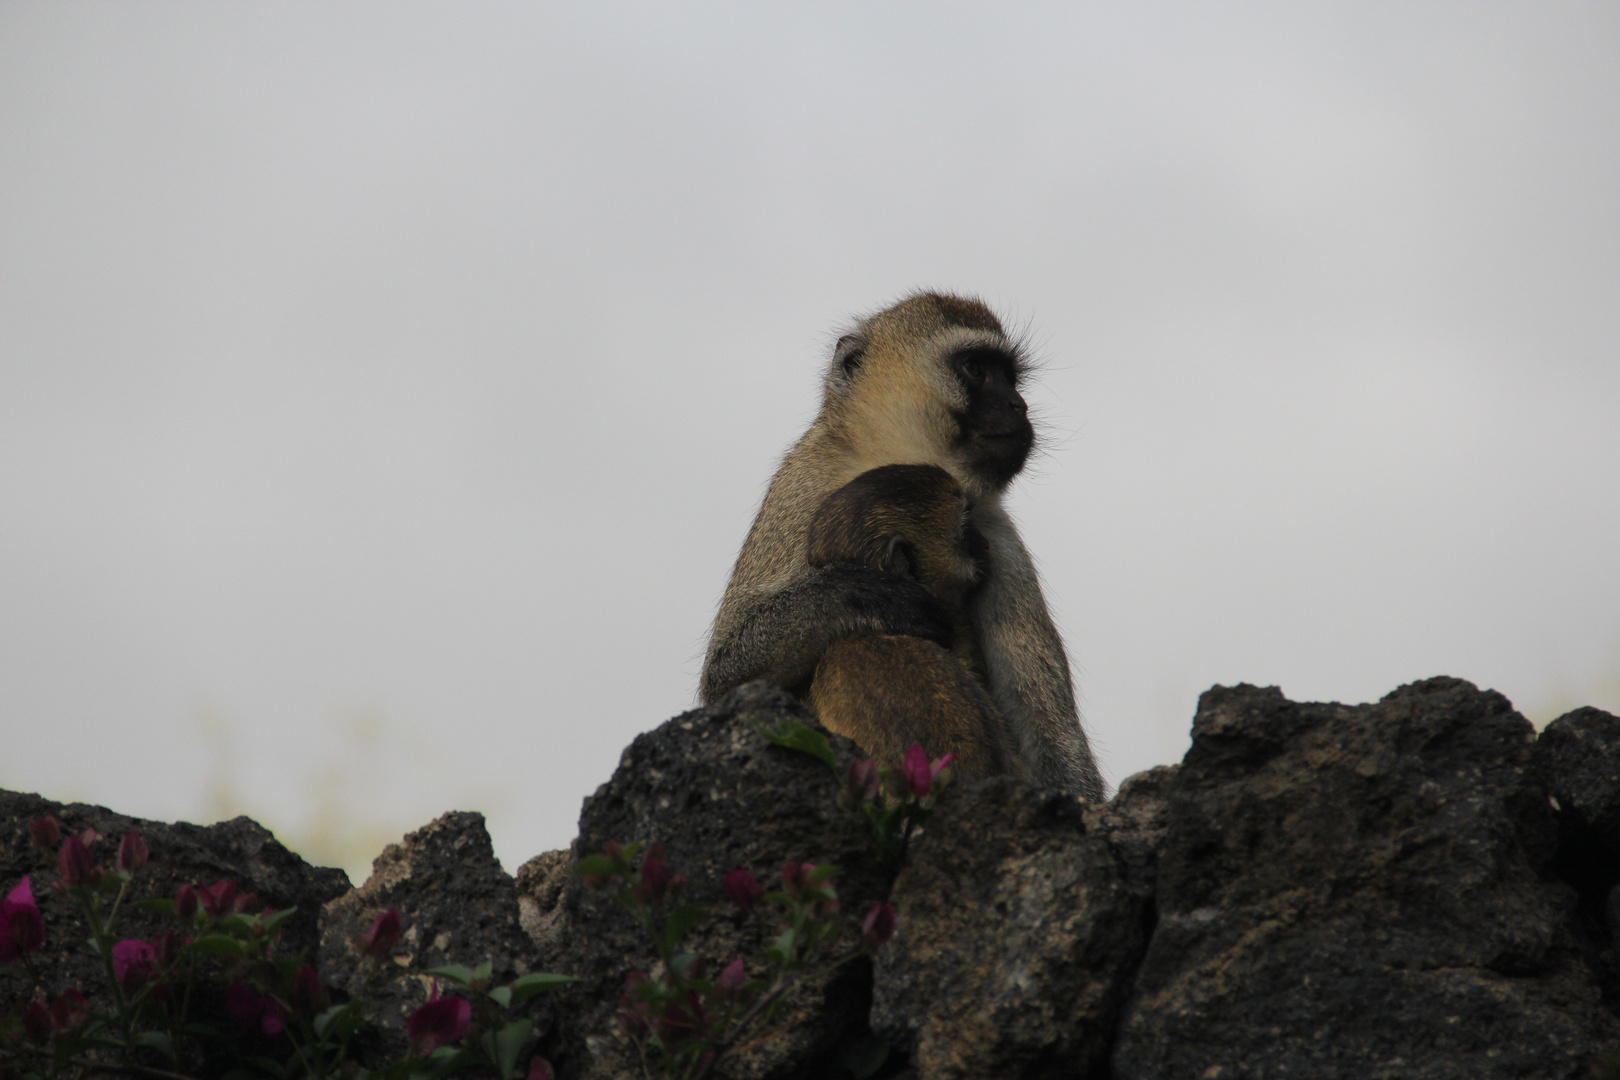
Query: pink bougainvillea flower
[[45, 832], [655, 876], [732, 978], [919, 778], [185, 903], [863, 780], [76, 865], [743, 889], [878, 926], [251, 1009], [132, 853], [796, 876], [134, 964], [307, 993], [22, 928], [383, 935], [69, 1011], [217, 899], [440, 1022]]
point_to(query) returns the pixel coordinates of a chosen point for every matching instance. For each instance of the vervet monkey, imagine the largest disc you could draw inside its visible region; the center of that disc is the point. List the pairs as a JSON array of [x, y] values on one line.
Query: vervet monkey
[[932, 380], [887, 691]]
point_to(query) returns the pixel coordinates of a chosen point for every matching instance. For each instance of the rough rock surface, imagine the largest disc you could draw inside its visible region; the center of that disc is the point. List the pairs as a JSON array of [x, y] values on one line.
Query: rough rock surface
[[719, 798], [1020, 926], [181, 854], [457, 906], [1357, 891], [1412, 888]]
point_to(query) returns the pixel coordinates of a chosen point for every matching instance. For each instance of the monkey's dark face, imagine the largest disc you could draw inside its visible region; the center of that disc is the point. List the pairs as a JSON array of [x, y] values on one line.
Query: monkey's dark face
[[993, 433]]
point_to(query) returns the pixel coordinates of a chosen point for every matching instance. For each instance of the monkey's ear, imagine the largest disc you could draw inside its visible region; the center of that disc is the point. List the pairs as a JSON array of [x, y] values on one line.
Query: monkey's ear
[[900, 557], [848, 354]]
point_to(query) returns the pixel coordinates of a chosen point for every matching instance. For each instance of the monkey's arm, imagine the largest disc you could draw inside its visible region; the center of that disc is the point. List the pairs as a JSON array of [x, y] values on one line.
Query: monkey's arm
[[780, 636], [1028, 667]]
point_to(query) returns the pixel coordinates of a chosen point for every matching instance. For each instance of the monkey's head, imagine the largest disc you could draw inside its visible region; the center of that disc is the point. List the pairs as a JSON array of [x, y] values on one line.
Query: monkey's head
[[933, 379], [907, 519]]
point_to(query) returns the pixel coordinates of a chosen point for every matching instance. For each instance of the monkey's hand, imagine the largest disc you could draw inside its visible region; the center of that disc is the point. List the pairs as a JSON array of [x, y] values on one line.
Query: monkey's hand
[[782, 635]]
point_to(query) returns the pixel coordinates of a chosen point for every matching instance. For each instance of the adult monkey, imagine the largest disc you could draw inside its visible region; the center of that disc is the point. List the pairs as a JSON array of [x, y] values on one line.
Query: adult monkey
[[932, 380]]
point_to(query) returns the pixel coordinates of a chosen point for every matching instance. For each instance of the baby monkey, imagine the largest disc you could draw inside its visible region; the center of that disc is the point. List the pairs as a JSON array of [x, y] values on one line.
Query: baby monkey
[[887, 691]]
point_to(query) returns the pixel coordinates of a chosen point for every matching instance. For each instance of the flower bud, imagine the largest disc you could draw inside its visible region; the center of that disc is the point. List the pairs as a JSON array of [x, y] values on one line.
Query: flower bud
[[69, 1011], [655, 876], [383, 935], [732, 978], [796, 876], [185, 903], [307, 993], [45, 832], [540, 1069], [863, 780], [878, 926], [22, 928], [168, 948], [134, 964], [919, 778], [441, 1022], [217, 899], [132, 853], [743, 889], [75, 864]]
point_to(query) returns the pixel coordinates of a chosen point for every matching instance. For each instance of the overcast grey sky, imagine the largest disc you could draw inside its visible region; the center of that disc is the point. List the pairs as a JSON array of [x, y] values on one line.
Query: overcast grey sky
[[385, 389]]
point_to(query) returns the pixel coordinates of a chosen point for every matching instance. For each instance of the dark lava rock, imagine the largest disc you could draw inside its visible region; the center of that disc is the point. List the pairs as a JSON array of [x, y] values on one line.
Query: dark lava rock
[[457, 906], [719, 797], [1019, 926], [1358, 891], [181, 854]]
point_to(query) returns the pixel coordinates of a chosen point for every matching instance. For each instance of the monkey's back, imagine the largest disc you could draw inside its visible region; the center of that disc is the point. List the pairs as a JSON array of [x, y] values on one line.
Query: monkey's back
[[887, 692]]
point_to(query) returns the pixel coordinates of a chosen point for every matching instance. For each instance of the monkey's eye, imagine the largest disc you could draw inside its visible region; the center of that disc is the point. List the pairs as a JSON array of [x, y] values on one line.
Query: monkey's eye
[[971, 369]]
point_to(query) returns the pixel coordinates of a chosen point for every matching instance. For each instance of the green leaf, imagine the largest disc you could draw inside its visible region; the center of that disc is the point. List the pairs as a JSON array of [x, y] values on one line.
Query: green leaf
[[681, 920], [156, 1040], [681, 964], [337, 1014], [273, 922], [508, 1042], [596, 864], [218, 945], [783, 945], [157, 906], [538, 983], [502, 996], [823, 872], [239, 924], [269, 1065], [484, 972], [461, 976], [796, 735]]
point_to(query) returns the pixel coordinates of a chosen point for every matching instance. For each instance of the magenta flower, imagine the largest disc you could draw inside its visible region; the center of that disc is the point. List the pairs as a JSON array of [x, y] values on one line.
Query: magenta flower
[[217, 899], [307, 993], [743, 889], [921, 773], [442, 1021], [251, 1009], [45, 832], [383, 935], [76, 865], [919, 778], [796, 876], [167, 947], [134, 964], [878, 926], [540, 1069], [185, 903], [732, 978], [132, 853], [655, 876], [863, 780], [22, 928], [69, 1011]]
